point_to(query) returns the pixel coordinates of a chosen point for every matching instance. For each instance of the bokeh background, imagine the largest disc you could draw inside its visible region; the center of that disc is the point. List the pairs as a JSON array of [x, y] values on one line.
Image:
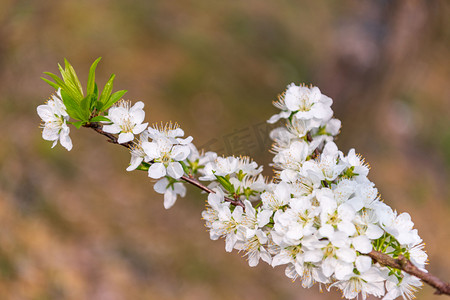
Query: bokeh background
[[76, 225]]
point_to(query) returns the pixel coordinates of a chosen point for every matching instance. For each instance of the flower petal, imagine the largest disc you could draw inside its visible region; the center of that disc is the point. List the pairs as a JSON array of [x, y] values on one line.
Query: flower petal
[[175, 170], [125, 137], [156, 171]]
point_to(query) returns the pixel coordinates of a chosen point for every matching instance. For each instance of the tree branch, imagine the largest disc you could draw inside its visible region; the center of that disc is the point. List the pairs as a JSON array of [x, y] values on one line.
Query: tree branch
[[113, 139], [404, 264]]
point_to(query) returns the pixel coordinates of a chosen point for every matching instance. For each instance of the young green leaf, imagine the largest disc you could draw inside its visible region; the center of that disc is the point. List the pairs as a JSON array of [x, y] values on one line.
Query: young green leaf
[[225, 183], [73, 76], [91, 79], [78, 124], [72, 107], [51, 83], [85, 108], [62, 84], [113, 99], [69, 86], [99, 119], [106, 93], [58, 81]]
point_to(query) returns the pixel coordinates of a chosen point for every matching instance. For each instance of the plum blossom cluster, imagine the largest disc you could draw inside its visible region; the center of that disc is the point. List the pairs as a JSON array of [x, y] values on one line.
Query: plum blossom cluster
[[319, 217]]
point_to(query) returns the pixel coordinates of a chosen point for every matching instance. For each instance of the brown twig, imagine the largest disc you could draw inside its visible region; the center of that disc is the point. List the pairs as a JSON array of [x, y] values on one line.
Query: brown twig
[[111, 137], [402, 263], [195, 182], [189, 179]]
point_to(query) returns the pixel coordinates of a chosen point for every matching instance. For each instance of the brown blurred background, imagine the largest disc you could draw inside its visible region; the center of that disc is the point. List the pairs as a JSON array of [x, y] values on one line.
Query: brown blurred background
[[76, 225]]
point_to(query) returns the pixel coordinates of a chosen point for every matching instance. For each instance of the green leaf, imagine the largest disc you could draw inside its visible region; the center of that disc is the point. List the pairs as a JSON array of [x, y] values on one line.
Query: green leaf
[[113, 99], [56, 79], [106, 93], [51, 83], [69, 86], [225, 183], [61, 84], [78, 124], [91, 79], [73, 108], [73, 76], [99, 119], [85, 109]]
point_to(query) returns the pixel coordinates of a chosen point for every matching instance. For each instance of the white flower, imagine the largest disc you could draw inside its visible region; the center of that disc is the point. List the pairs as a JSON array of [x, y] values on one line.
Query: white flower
[[327, 167], [255, 249], [222, 166], [299, 128], [370, 282], [126, 120], [292, 157], [285, 113], [297, 221], [338, 256], [276, 199], [333, 216], [406, 287], [170, 191], [248, 166], [170, 131], [308, 103], [402, 229], [166, 158], [254, 219], [417, 255], [55, 118], [282, 138], [333, 126], [137, 153], [227, 224]]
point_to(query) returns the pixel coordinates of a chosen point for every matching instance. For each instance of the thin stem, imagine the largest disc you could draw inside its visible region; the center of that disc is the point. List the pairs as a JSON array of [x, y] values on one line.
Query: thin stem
[[195, 182], [189, 179], [404, 264]]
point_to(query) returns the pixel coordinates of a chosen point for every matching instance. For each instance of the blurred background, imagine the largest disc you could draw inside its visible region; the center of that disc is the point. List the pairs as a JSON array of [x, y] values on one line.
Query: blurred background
[[78, 226]]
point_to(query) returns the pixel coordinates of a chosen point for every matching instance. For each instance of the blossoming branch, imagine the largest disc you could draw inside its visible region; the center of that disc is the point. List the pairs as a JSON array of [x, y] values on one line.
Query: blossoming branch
[[320, 216]]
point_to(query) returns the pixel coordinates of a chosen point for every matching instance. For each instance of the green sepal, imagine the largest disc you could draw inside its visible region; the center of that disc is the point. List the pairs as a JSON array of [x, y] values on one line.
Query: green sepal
[[241, 175], [99, 119], [248, 192], [185, 168], [73, 108], [91, 79], [143, 166]]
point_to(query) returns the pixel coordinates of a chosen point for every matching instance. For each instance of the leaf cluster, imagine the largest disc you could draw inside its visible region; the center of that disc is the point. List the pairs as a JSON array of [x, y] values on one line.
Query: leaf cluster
[[83, 107]]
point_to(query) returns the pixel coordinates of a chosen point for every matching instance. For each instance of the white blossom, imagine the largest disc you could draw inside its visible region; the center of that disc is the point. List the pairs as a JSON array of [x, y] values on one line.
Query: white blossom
[[170, 191], [55, 118], [166, 158], [126, 120]]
